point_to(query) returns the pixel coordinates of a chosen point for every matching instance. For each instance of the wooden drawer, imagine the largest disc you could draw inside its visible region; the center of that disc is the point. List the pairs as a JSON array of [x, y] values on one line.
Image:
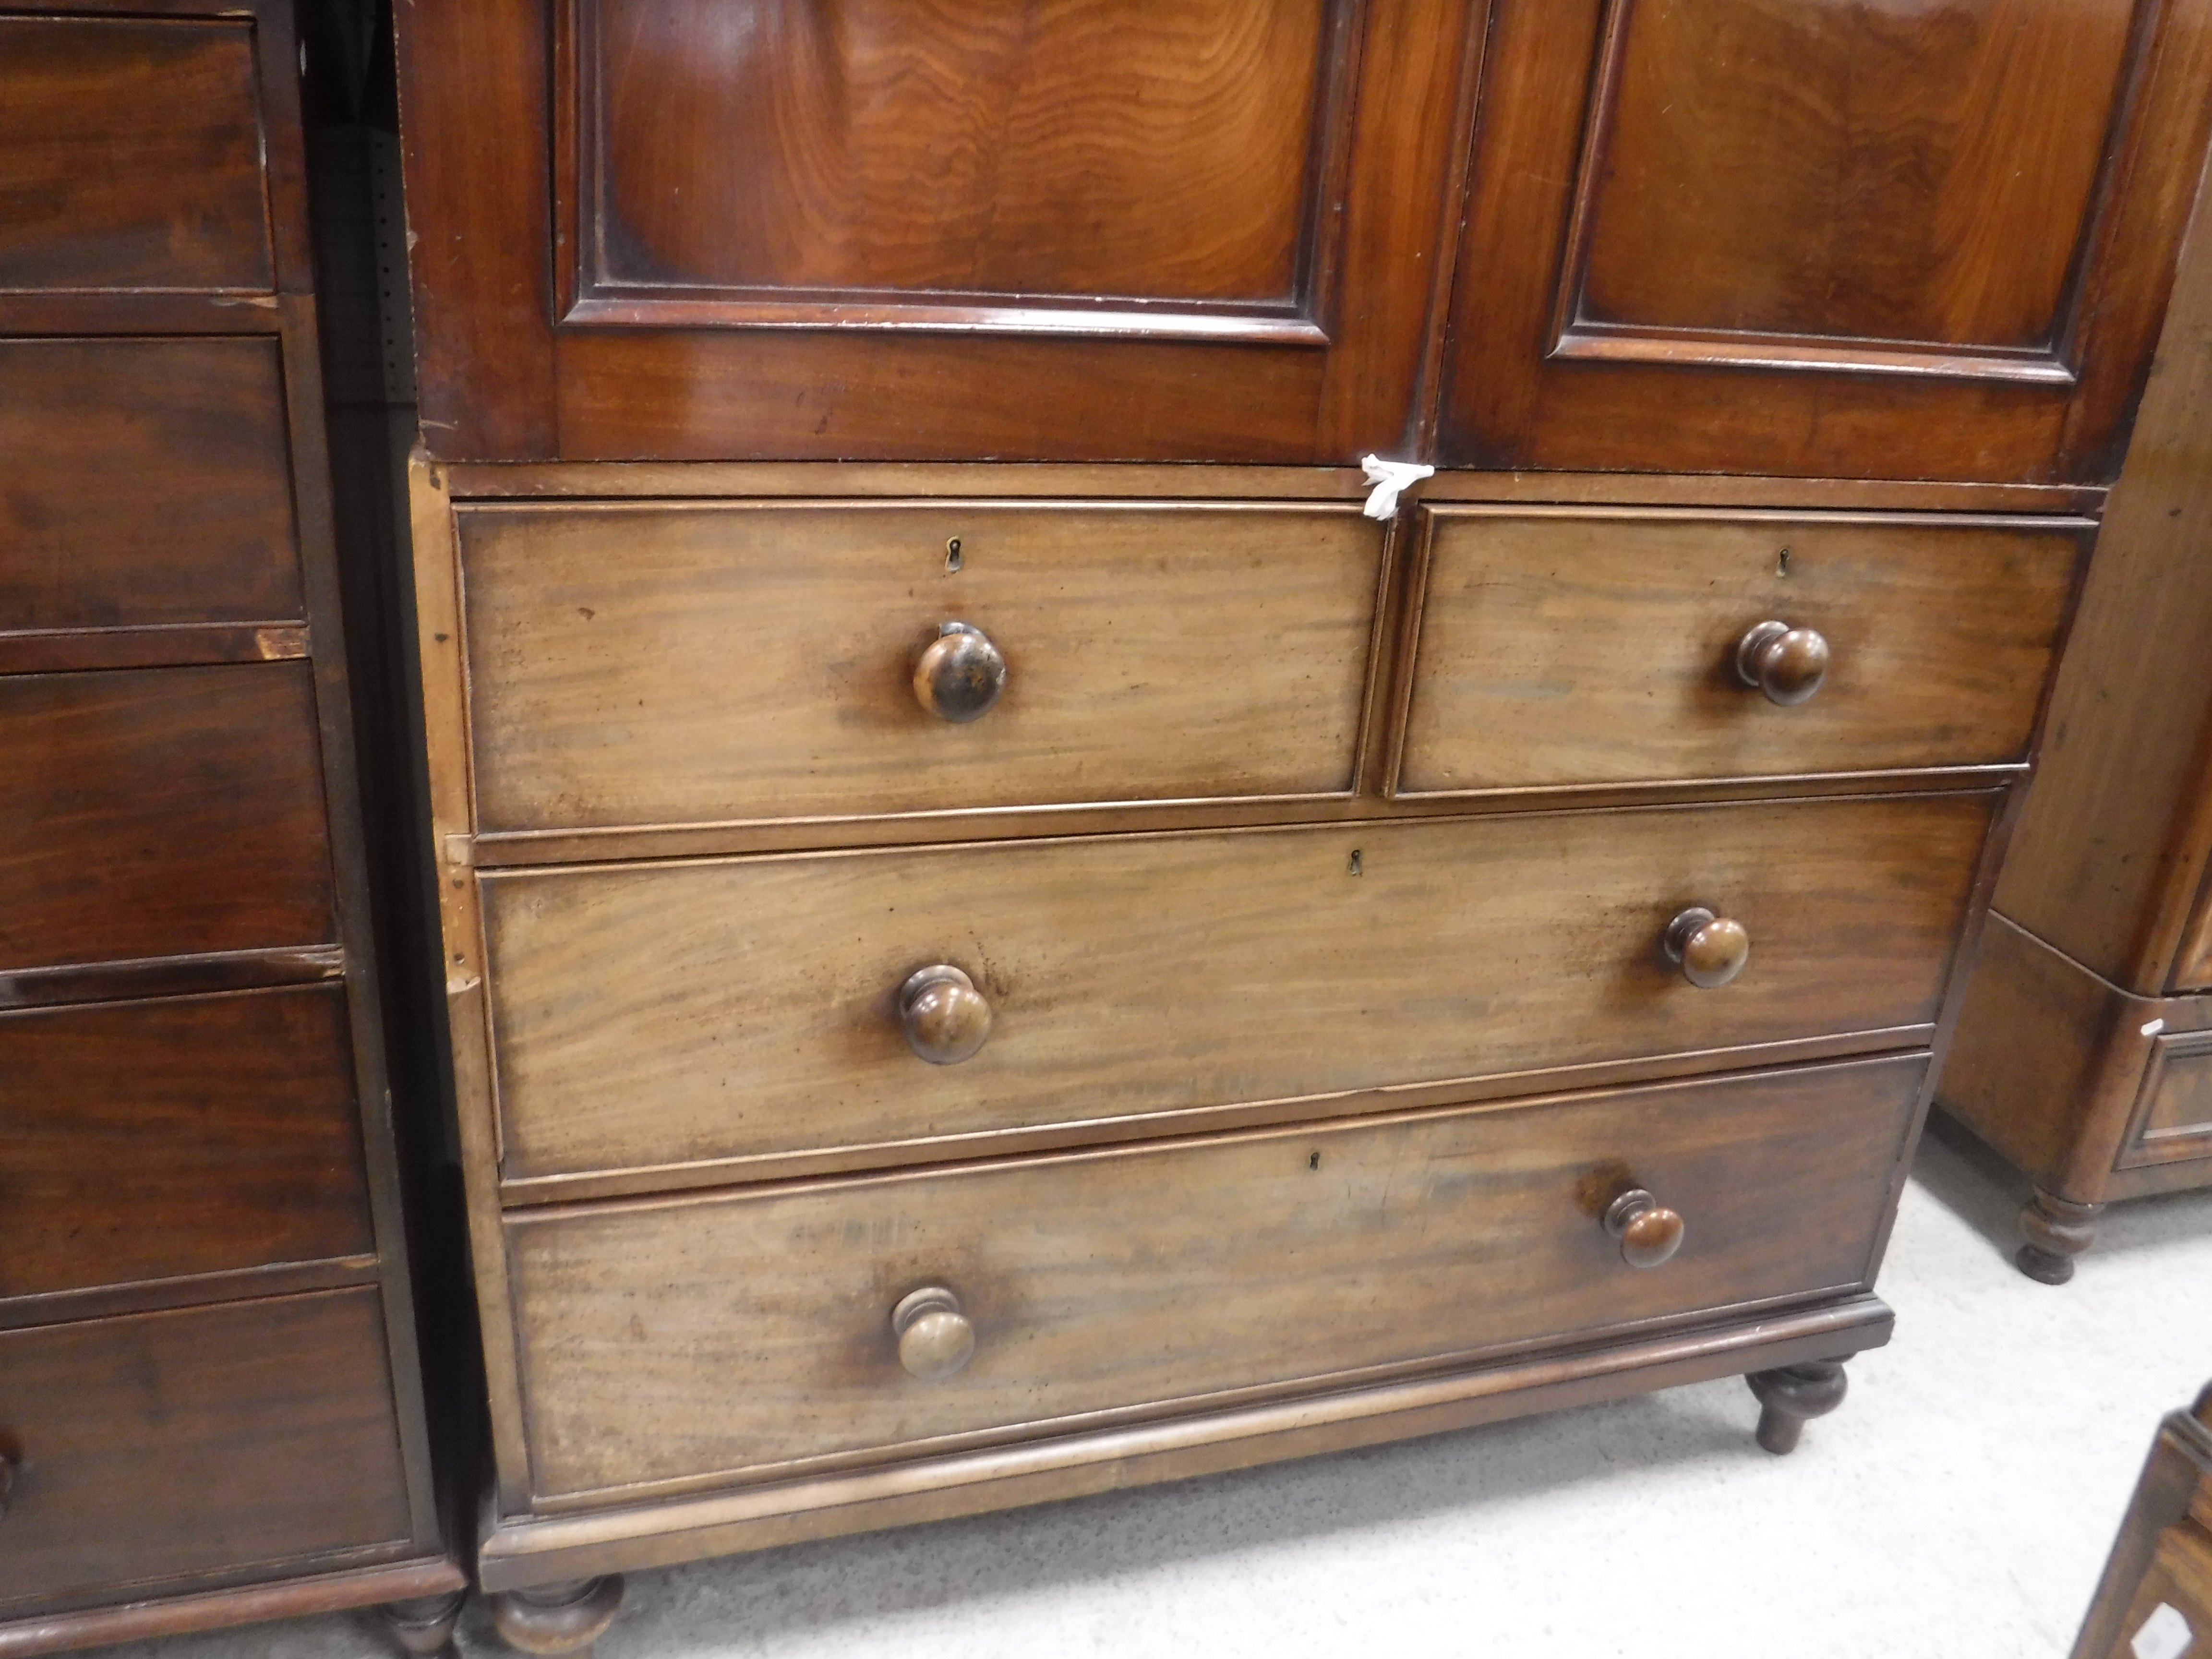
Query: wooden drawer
[[1563, 647], [715, 1337], [154, 1140], [2172, 1121], [149, 484], [196, 1441], [130, 155], [704, 663], [161, 812], [686, 1012]]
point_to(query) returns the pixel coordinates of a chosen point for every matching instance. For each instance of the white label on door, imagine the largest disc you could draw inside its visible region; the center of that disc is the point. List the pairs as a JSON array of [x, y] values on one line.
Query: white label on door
[[2165, 1635]]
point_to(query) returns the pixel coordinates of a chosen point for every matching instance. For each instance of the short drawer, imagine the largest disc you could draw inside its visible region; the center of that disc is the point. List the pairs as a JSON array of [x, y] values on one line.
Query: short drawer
[[196, 1135], [199, 1441], [722, 1337], [718, 662], [686, 1012], [130, 155], [161, 812], [149, 484], [1562, 647]]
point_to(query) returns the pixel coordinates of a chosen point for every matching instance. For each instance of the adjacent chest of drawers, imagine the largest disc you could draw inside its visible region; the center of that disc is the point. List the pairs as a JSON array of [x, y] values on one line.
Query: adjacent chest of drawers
[[211, 1405], [2156, 1594], [1003, 937]]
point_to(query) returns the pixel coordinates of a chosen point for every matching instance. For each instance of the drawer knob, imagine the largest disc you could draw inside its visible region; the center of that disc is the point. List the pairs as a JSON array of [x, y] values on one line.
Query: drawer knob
[[945, 1017], [961, 673], [934, 1337], [1650, 1233], [1709, 950], [1788, 664]]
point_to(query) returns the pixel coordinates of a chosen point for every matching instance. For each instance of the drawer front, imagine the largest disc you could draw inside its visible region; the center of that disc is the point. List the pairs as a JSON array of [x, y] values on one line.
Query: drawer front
[[710, 1337], [701, 663], [130, 155], [148, 484], [197, 1441], [675, 1013], [1563, 646], [160, 813], [154, 1140], [2172, 1119]]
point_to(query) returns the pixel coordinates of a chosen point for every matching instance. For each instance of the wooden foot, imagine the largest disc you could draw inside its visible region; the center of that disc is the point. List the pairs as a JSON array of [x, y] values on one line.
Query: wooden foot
[[423, 1626], [2057, 1230], [563, 1618], [1792, 1396]]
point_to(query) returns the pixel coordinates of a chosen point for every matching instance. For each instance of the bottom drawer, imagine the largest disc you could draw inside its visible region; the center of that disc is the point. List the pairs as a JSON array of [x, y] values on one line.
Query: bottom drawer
[[201, 1441], [687, 1341]]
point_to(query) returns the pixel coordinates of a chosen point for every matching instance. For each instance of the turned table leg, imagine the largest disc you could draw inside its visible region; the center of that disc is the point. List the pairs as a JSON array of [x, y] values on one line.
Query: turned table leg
[[562, 1618], [424, 1626], [2057, 1230], [1791, 1397]]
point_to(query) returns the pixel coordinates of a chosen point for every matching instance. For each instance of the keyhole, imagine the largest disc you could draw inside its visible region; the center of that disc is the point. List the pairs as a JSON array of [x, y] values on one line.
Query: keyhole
[[952, 556], [1313, 1161], [1781, 563], [1356, 870]]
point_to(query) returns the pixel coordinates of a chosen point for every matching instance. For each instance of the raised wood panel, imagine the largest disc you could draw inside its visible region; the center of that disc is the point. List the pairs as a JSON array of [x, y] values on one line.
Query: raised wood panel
[[1559, 648], [130, 155], [1102, 1282], [698, 664], [161, 812], [664, 1014], [2173, 1120], [1887, 179], [1319, 139], [158, 1140], [163, 1445], [148, 484], [1866, 240], [1093, 165]]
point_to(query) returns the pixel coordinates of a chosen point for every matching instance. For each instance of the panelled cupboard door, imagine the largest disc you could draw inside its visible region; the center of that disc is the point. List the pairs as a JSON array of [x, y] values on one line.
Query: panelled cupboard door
[[1088, 229], [1874, 240]]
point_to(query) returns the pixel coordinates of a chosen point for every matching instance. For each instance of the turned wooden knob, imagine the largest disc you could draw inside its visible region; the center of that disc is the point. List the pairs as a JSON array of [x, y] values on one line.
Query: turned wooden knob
[[1709, 950], [961, 673], [1788, 664], [945, 1017], [1650, 1233], [934, 1337]]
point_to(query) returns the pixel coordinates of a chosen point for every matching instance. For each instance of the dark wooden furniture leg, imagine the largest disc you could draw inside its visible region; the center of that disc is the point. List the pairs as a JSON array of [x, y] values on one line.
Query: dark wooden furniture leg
[[1791, 1395], [2057, 1229], [422, 1626], [566, 1617]]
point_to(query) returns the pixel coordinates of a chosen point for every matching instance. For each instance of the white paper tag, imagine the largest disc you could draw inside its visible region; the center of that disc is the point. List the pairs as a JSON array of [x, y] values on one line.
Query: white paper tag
[[2154, 1028], [1389, 478], [2165, 1635]]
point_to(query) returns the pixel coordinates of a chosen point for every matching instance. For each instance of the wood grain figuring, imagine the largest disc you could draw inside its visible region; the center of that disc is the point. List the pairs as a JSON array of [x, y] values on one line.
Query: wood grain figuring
[[1562, 648], [1754, 236], [1861, 174], [661, 1014], [148, 484], [159, 812], [1088, 160], [130, 155], [1110, 1281], [269, 1425], [202, 1135], [501, 381], [690, 664]]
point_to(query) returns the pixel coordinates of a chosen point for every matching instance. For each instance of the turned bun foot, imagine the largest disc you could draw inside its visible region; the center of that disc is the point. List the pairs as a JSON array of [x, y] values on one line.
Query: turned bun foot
[[1792, 1396], [422, 1626], [2057, 1230], [562, 1617]]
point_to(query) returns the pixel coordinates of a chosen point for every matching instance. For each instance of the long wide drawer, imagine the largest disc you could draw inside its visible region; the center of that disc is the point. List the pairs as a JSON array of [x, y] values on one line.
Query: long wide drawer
[[207, 1439], [1560, 647], [653, 1015], [714, 1338], [187, 1135], [709, 662]]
